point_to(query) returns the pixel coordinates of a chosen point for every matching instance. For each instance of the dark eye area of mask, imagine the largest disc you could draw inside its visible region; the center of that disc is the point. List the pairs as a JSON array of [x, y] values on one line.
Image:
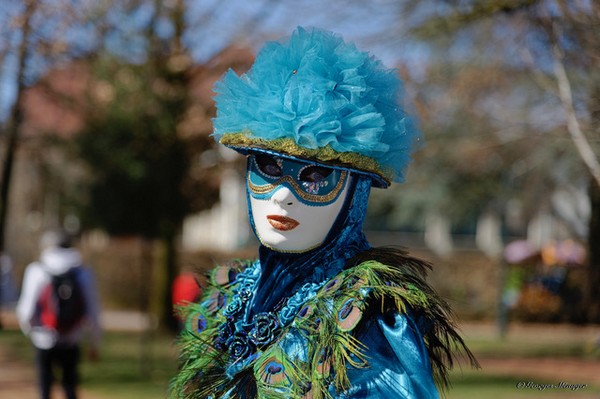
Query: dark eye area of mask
[[268, 165], [315, 174]]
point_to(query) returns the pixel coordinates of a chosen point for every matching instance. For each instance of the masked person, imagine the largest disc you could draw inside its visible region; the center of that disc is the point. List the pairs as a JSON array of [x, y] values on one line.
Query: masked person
[[320, 313]]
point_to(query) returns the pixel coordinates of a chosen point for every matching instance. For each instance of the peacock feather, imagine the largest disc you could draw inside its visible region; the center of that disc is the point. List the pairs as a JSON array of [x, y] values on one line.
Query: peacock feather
[[311, 355], [400, 278]]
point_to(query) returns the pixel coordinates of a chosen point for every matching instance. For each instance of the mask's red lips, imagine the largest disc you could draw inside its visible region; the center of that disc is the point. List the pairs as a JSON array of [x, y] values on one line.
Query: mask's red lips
[[282, 223]]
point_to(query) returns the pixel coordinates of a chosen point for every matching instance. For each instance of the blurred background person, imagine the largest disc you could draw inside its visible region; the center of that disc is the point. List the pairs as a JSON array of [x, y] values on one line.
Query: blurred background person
[[185, 290], [8, 293], [58, 300]]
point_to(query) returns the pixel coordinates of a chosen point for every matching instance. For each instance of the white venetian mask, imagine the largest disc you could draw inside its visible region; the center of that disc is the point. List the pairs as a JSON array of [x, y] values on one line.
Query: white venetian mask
[[293, 203]]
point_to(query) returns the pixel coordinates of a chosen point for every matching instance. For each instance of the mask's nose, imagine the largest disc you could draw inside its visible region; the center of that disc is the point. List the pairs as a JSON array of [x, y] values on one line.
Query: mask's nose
[[283, 197]]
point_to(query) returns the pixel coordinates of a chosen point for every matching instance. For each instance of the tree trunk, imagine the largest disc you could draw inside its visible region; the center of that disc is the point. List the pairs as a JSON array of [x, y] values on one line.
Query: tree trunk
[[14, 125], [146, 264], [168, 317], [593, 291]]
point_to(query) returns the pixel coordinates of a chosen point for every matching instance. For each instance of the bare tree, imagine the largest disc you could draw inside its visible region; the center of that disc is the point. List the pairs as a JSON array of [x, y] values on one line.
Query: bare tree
[[558, 45], [14, 123]]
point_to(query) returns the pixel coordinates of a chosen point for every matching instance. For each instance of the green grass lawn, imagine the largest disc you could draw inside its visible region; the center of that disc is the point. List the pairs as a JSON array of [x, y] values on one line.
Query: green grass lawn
[[476, 384], [134, 366], [480, 385]]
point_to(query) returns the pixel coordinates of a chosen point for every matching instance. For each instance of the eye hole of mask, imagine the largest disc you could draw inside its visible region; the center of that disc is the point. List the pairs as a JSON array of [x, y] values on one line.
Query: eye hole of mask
[[268, 165], [314, 174]]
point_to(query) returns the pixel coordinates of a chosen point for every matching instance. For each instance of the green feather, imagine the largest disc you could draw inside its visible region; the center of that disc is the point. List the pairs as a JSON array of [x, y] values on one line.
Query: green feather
[[394, 282]]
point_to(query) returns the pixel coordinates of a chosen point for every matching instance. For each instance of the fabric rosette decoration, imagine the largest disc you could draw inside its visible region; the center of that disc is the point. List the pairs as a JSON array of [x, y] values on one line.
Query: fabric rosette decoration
[[265, 330], [240, 346]]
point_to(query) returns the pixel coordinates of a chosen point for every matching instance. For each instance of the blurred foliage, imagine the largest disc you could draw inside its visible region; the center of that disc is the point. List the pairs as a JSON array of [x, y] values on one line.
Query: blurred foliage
[[486, 99], [137, 162], [498, 130], [483, 87], [140, 162], [508, 56]]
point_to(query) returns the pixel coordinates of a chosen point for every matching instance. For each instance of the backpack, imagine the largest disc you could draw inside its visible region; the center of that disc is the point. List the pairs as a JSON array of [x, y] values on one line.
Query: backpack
[[61, 304]]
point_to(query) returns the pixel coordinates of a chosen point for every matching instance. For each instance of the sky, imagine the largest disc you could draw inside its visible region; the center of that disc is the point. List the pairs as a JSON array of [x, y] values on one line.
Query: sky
[[212, 24]]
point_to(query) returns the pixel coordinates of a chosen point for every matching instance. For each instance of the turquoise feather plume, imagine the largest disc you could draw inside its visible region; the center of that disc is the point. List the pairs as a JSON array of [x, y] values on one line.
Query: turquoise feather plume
[[320, 92]]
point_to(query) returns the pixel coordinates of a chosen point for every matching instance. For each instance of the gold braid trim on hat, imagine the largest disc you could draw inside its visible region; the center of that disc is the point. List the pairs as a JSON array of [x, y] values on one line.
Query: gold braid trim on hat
[[326, 155]]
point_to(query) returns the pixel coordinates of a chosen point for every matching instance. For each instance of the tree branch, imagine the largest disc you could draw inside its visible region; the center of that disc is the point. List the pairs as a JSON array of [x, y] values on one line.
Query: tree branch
[[579, 139]]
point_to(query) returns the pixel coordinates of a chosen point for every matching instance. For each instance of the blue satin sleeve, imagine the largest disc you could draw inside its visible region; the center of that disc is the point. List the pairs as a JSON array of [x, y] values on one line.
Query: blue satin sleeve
[[399, 365]]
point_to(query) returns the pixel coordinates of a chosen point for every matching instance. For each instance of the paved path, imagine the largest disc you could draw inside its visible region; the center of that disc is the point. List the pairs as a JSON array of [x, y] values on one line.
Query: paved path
[[18, 379]]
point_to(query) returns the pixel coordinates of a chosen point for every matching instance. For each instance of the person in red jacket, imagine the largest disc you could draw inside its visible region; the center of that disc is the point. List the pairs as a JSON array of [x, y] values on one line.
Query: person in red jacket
[[185, 290]]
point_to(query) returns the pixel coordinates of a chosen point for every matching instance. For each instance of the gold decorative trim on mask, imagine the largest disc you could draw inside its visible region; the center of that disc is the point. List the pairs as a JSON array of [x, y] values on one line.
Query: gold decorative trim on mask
[[303, 194], [325, 155]]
